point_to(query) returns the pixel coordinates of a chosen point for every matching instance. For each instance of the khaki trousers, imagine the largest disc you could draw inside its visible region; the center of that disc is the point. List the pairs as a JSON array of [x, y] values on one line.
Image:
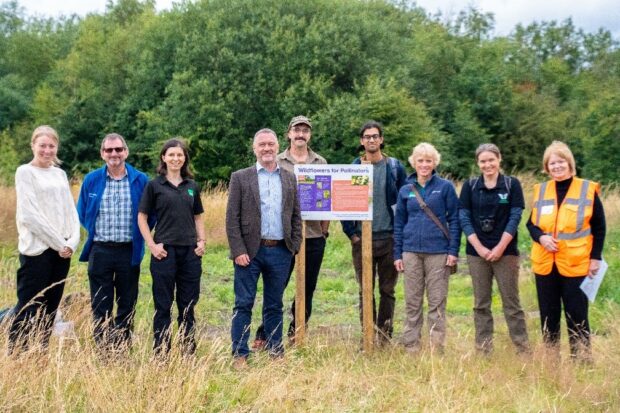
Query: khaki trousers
[[425, 272], [506, 273]]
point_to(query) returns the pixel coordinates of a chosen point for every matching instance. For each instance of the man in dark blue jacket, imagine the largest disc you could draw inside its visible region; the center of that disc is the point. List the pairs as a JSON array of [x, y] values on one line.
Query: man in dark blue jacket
[[108, 210], [388, 176]]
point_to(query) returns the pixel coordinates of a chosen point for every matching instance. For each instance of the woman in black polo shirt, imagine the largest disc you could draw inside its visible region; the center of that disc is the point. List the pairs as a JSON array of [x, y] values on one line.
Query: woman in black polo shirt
[[491, 208], [177, 246]]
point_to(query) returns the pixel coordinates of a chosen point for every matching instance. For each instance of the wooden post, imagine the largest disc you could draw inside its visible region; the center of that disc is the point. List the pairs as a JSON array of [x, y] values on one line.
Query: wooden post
[[300, 289], [368, 328]]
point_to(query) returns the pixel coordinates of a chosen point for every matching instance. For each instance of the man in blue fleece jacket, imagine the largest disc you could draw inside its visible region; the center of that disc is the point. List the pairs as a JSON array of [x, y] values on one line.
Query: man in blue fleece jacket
[[108, 210]]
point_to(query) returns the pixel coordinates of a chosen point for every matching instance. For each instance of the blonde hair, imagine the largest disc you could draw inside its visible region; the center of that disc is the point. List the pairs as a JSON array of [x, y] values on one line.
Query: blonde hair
[[45, 130], [424, 150], [563, 151]]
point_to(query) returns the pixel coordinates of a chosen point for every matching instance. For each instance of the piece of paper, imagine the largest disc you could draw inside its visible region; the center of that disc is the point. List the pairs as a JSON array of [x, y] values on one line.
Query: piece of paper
[[590, 285]]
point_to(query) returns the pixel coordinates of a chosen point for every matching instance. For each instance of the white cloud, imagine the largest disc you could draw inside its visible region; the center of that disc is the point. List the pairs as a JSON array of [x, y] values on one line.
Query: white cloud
[[589, 15]]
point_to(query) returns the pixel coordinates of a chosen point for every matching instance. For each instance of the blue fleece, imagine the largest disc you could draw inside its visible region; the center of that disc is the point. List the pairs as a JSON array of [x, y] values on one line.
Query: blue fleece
[[90, 200], [414, 231]]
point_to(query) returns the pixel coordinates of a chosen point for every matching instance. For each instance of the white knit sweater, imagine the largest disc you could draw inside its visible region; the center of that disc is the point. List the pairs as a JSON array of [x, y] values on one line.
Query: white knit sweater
[[46, 215]]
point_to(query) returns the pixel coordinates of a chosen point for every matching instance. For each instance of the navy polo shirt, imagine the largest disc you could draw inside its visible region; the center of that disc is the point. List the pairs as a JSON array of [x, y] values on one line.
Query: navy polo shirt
[[175, 208]]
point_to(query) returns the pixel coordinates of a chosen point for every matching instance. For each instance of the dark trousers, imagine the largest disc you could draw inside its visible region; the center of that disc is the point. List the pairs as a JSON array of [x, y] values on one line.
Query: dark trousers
[[112, 279], [555, 290], [180, 270], [40, 284], [383, 269], [273, 263], [315, 249]]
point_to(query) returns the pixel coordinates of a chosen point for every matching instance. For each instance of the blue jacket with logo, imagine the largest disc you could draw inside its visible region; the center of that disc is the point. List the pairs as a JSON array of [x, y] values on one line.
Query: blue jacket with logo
[[414, 231], [90, 201], [395, 178]]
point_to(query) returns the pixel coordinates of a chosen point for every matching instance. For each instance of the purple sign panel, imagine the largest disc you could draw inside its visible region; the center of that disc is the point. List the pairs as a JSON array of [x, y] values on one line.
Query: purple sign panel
[[315, 192]]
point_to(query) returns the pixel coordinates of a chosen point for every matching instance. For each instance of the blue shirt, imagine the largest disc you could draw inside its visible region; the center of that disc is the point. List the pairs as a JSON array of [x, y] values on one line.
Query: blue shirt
[[114, 219], [270, 190]]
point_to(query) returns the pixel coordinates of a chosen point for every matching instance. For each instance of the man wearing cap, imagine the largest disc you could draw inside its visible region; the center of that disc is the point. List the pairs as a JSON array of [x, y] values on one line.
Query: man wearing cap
[[108, 210], [263, 227], [299, 134], [388, 176]]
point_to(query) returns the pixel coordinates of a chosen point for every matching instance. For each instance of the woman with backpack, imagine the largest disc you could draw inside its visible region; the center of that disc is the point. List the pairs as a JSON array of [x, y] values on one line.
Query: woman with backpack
[[491, 208]]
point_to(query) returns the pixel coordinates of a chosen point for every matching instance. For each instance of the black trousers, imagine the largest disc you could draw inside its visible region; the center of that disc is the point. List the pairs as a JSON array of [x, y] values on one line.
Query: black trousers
[[40, 284], [555, 290], [315, 249], [112, 279], [180, 271]]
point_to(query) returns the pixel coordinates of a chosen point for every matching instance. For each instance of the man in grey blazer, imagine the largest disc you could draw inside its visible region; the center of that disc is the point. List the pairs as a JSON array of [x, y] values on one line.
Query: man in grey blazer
[[263, 226]]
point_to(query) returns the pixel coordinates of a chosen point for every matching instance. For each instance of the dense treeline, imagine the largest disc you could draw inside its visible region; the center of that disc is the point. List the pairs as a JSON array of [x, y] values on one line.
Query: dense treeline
[[216, 71]]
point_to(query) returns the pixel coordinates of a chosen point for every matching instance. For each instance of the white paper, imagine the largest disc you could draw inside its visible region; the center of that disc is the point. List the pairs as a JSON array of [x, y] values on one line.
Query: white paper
[[590, 285]]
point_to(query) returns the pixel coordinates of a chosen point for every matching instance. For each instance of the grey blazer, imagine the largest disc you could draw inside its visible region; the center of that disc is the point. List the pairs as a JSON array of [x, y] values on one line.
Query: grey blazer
[[243, 216]]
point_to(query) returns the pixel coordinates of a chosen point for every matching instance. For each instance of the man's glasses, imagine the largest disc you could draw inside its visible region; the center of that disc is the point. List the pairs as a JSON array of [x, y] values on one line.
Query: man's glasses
[[369, 137], [117, 150]]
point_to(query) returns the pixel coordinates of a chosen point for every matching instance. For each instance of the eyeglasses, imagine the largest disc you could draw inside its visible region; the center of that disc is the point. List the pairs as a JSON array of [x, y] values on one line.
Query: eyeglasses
[[369, 137], [302, 130], [117, 150]]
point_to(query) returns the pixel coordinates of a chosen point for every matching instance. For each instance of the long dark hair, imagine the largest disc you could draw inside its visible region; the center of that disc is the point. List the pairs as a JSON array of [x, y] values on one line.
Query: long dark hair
[[174, 143]]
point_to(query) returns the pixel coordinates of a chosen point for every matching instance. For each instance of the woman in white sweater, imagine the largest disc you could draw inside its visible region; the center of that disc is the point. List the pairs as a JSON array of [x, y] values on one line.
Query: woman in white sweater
[[49, 233]]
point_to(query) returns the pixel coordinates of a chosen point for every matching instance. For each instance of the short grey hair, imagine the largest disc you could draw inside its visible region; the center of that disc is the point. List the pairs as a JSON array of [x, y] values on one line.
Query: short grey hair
[[111, 137], [264, 130]]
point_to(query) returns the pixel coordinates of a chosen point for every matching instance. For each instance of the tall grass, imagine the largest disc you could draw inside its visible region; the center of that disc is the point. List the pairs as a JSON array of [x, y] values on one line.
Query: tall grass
[[7, 215], [329, 373]]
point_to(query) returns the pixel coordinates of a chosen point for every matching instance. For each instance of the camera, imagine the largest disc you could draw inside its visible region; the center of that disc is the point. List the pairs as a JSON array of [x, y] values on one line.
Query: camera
[[487, 224]]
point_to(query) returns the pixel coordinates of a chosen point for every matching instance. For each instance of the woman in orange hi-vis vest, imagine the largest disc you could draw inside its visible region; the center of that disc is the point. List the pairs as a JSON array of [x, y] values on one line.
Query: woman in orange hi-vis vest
[[567, 225]]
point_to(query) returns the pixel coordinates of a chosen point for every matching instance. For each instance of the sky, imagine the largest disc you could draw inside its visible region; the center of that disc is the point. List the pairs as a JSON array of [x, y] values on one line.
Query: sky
[[589, 15]]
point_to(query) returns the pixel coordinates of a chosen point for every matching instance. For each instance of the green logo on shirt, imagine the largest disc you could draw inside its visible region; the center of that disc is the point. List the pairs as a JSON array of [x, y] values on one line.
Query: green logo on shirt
[[190, 192], [411, 194], [503, 198]]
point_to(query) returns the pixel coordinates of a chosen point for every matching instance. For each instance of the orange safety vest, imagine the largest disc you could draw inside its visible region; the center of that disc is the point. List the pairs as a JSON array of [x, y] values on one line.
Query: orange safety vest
[[569, 224]]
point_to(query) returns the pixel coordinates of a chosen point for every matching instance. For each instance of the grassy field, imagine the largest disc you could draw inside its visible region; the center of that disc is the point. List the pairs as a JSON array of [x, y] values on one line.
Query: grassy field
[[327, 374]]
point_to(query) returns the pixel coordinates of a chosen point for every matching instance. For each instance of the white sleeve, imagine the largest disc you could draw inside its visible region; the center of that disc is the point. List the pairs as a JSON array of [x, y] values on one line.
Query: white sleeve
[[29, 215], [74, 240]]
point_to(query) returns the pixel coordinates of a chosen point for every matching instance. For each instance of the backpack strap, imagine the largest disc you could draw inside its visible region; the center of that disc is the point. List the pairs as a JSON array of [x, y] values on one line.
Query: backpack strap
[[394, 168], [508, 183]]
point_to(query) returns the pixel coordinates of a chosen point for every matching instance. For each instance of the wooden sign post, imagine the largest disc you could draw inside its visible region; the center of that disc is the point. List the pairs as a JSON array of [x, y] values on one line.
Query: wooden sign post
[[300, 289], [338, 192], [368, 328]]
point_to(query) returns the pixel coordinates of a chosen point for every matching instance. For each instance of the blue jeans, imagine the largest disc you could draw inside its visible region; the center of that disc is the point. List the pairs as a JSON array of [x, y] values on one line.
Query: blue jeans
[[274, 264], [315, 249]]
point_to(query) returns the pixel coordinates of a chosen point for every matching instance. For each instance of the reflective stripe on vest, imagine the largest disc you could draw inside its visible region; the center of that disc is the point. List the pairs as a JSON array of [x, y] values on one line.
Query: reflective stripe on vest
[[572, 259]]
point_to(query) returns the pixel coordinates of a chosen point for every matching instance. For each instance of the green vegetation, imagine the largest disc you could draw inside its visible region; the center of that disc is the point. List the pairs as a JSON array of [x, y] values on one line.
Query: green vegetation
[[329, 373], [216, 71]]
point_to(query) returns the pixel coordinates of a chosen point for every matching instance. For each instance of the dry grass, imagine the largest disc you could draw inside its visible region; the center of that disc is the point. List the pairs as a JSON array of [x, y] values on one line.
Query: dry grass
[[329, 374], [214, 204], [213, 200], [7, 215]]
